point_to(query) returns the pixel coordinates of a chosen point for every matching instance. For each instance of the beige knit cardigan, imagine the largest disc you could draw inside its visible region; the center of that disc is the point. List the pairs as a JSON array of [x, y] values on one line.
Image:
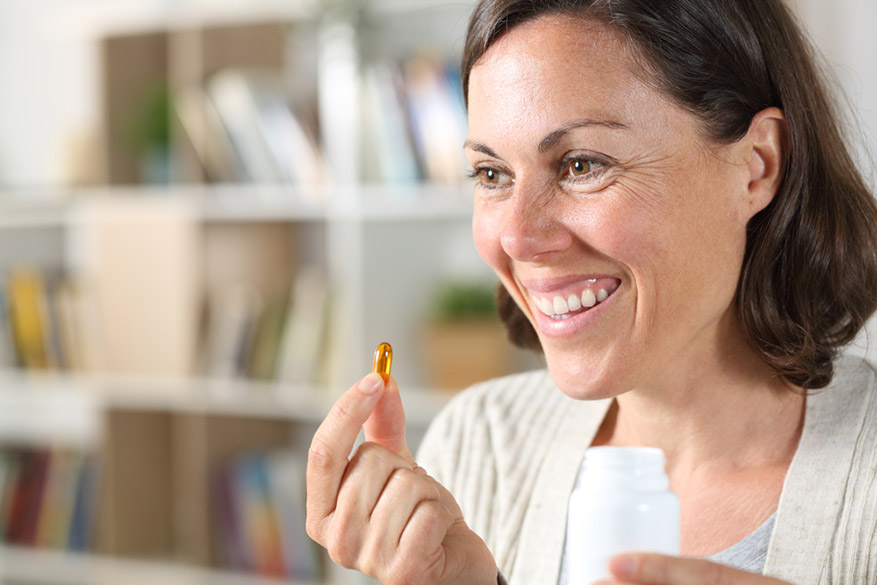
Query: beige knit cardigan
[[510, 449]]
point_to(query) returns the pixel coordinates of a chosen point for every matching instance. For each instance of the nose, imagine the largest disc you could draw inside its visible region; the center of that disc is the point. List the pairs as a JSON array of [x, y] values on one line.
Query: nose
[[533, 226]]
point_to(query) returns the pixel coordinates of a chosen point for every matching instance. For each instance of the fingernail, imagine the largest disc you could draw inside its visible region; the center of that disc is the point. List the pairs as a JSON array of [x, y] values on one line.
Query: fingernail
[[623, 566], [371, 383]]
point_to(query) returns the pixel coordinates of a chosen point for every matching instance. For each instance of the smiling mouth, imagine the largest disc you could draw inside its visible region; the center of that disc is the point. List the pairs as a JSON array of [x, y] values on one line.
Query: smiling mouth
[[564, 306]]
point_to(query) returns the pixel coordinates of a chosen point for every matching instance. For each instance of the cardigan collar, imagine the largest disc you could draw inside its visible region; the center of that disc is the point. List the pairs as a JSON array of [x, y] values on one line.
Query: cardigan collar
[[802, 536]]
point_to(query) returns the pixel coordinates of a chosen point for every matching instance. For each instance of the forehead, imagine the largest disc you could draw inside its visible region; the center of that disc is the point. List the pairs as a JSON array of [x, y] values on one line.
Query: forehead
[[557, 67]]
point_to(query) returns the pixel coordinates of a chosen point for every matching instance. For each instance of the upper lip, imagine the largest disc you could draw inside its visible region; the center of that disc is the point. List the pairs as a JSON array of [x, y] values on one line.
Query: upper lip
[[555, 285]]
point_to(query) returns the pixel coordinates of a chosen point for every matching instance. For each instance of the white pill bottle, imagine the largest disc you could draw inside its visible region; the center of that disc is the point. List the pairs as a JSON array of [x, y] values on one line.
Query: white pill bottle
[[621, 503]]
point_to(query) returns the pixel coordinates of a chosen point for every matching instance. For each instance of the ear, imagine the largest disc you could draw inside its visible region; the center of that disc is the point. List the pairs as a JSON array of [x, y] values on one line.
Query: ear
[[765, 145]]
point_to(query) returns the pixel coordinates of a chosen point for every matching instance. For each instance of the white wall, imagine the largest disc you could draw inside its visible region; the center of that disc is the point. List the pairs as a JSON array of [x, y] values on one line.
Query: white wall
[[844, 31], [49, 81], [48, 90]]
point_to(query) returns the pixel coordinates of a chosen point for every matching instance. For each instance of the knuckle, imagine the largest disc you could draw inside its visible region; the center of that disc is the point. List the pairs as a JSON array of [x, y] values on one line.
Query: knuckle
[[314, 528], [320, 455], [341, 549], [369, 453], [406, 478], [427, 527], [343, 412], [431, 516]]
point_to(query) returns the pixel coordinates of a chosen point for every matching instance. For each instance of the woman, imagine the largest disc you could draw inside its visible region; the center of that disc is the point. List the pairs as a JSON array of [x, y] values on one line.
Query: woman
[[664, 192]]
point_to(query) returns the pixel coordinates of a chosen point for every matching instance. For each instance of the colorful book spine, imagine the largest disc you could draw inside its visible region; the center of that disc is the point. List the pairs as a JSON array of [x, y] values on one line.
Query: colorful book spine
[[259, 512]]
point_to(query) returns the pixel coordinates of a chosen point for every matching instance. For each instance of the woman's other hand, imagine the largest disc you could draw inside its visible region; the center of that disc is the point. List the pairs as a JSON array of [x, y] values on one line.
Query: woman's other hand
[[655, 569], [378, 512]]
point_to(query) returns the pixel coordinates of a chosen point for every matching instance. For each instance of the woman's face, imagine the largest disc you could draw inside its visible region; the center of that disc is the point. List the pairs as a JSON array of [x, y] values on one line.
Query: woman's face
[[615, 225]]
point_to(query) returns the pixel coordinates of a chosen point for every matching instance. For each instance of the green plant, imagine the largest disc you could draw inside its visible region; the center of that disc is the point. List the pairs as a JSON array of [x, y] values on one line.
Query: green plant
[[149, 126], [464, 301]]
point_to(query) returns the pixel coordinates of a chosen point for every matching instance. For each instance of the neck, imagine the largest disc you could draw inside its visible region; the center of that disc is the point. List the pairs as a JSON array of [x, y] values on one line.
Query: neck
[[730, 409]]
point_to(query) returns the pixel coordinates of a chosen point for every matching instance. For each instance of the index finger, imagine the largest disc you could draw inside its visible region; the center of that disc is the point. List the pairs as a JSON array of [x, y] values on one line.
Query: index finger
[[333, 442], [657, 569]]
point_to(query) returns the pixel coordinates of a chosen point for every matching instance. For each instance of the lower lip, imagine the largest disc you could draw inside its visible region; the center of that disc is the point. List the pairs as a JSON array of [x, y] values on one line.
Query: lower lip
[[560, 328]]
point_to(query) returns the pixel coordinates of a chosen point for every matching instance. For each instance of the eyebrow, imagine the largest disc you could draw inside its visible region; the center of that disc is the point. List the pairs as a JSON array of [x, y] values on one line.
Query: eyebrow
[[479, 147], [552, 138]]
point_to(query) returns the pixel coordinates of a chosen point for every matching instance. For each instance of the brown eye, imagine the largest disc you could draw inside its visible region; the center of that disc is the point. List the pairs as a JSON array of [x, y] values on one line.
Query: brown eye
[[578, 168], [490, 178]]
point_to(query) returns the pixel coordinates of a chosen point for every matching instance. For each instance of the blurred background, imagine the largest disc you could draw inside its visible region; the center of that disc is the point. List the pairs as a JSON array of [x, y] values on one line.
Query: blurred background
[[211, 212]]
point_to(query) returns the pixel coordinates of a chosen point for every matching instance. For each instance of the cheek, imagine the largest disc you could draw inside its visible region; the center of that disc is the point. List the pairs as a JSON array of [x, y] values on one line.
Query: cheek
[[486, 233]]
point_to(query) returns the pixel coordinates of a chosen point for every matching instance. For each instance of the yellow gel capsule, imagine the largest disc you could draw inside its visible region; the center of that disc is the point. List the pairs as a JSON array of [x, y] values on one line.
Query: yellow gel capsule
[[383, 361]]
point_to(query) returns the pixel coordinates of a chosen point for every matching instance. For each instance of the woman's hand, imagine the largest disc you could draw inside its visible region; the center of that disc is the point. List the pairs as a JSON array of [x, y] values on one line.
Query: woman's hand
[[654, 569], [378, 512]]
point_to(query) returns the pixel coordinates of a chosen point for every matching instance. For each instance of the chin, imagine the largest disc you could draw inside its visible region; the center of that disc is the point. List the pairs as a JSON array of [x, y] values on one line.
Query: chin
[[577, 380]]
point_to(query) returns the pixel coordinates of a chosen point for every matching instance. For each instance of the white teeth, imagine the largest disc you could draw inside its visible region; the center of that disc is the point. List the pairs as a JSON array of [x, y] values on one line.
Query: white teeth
[[588, 298], [559, 307], [545, 305]]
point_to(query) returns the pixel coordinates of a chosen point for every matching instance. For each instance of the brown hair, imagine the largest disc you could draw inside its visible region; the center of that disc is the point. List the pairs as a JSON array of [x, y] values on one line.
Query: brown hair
[[809, 276]]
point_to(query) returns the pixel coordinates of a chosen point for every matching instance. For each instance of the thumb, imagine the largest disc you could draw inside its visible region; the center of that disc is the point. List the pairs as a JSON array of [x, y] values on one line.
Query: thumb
[[386, 425]]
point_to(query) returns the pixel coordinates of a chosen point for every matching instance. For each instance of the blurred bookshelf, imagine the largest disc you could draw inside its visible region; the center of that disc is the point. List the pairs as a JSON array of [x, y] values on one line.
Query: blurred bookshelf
[[176, 321]]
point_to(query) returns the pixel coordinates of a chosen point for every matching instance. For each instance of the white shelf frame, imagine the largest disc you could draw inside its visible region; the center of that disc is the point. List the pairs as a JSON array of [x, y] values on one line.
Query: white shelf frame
[[63, 409], [240, 202], [34, 565]]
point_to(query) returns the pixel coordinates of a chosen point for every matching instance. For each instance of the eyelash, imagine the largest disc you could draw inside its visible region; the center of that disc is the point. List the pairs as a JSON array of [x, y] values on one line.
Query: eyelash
[[597, 168], [479, 174]]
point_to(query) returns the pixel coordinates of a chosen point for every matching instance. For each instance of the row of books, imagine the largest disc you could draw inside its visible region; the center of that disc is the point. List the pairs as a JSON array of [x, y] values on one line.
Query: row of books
[[251, 336], [413, 122], [51, 323], [258, 507], [47, 498], [244, 126], [45, 322]]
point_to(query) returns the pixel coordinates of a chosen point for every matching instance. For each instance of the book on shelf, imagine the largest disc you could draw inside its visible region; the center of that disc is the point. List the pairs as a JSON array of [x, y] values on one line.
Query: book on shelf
[[286, 477], [413, 120], [203, 127], [59, 499], [82, 520], [232, 315], [268, 332], [8, 354], [291, 143], [249, 335], [30, 319], [231, 96], [25, 496], [244, 127], [47, 497], [258, 511], [437, 117], [388, 147], [304, 339], [78, 326], [48, 322]]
